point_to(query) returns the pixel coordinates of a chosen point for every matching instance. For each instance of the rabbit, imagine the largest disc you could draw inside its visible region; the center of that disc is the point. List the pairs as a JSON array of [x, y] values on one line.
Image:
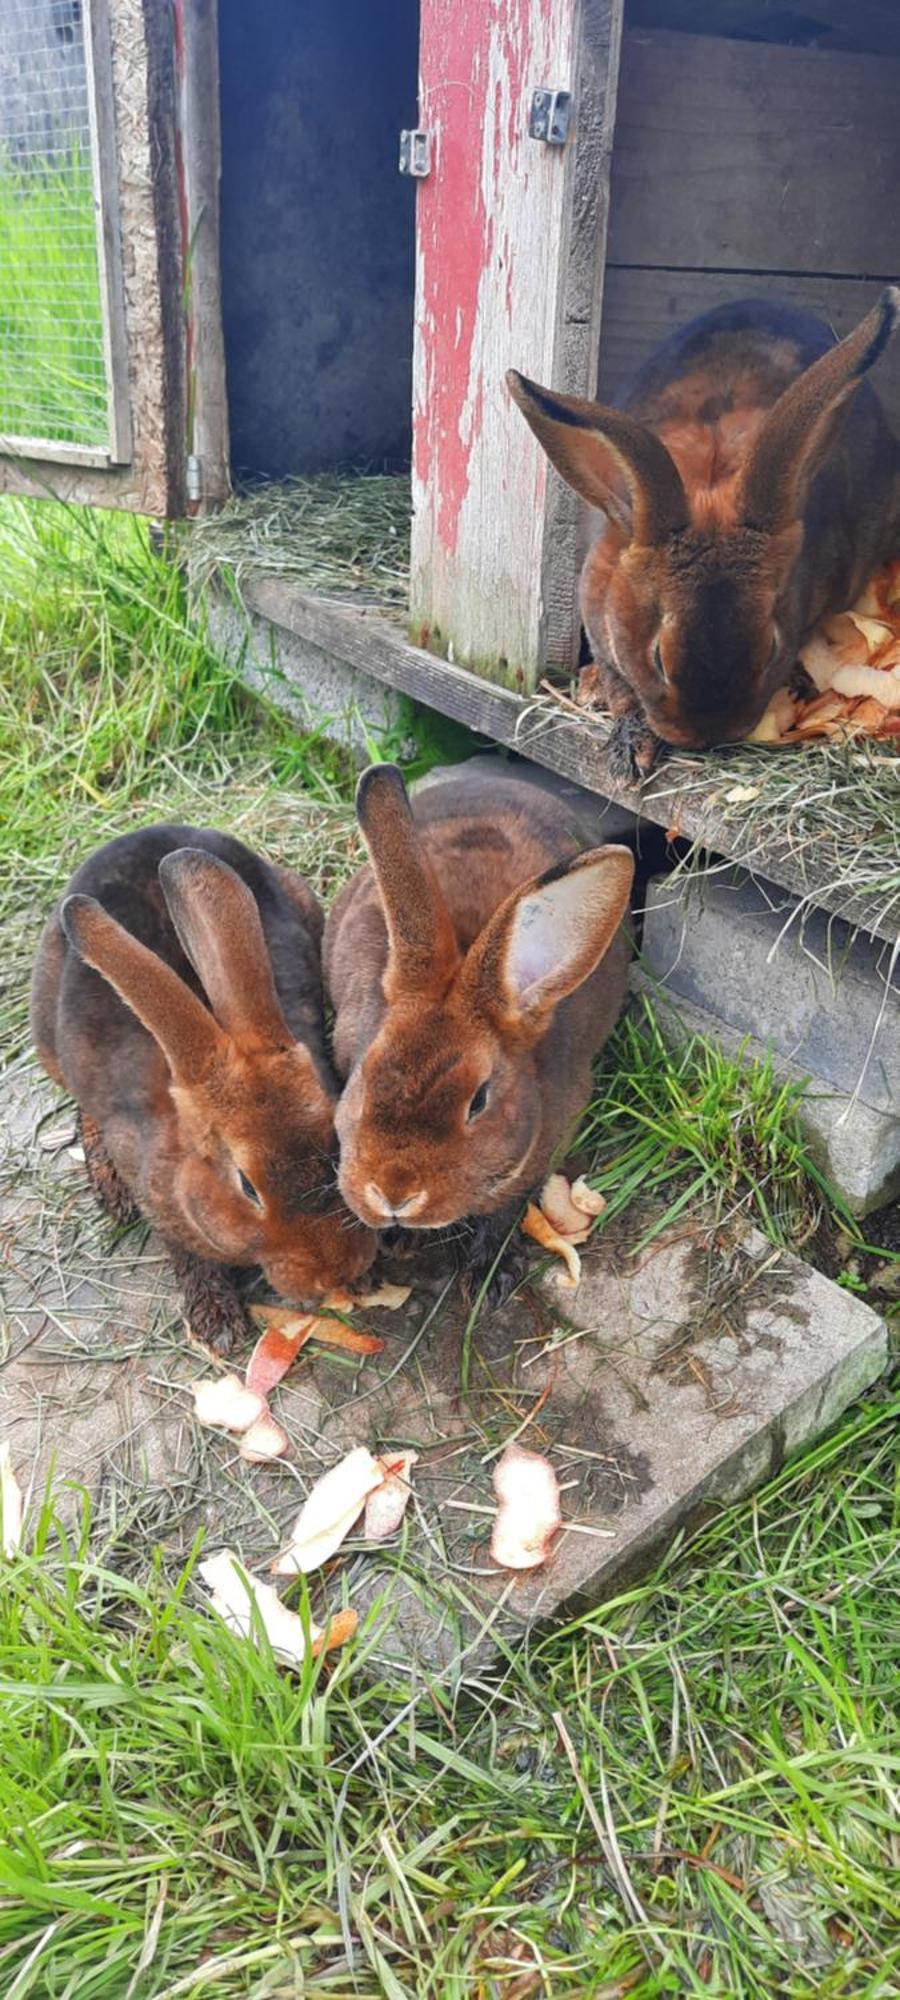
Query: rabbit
[[750, 484], [177, 996], [475, 969]]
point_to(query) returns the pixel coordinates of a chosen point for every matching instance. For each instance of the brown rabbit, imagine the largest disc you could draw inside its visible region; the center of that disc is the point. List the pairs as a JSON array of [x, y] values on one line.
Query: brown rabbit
[[751, 484], [475, 970], [177, 996]]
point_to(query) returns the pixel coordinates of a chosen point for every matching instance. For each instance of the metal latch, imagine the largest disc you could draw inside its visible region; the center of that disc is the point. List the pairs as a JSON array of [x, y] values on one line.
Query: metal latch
[[549, 116], [415, 154]]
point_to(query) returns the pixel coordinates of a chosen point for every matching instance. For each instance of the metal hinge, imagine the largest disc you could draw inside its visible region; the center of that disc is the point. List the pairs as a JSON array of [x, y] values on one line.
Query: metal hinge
[[549, 116], [415, 154], [193, 477]]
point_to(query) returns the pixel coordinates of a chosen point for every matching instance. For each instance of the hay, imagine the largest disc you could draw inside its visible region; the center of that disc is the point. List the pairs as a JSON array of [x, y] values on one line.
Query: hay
[[332, 533], [822, 818]]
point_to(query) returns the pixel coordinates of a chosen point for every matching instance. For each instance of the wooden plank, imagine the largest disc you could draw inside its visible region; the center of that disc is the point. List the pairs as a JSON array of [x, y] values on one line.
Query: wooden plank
[[745, 156], [198, 164], [641, 308], [871, 26], [510, 251], [574, 746], [102, 119]]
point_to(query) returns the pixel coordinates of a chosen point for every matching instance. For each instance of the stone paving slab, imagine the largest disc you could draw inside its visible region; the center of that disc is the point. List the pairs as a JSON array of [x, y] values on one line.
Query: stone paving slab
[[666, 1383]]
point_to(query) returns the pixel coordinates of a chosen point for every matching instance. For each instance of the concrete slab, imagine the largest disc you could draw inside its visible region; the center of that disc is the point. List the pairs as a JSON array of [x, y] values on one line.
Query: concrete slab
[[666, 1383], [738, 962]]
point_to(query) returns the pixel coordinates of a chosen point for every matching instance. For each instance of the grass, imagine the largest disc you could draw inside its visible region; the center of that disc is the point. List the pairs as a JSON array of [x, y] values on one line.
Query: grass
[[52, 369], [691, 1118], [179, 1816], [173, 1798]]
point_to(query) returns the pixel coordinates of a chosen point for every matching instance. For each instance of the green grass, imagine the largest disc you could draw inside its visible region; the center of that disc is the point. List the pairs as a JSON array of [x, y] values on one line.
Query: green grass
[[171, 1801], [167, 1792], [686, 1122], [52, 370]]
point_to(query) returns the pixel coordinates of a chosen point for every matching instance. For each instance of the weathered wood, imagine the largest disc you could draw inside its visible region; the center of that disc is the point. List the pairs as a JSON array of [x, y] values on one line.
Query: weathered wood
[[867, 25], [745, 156], [641, 308], [510, 242], [142, 95], [198, 143], [574, 746], [102, 119]]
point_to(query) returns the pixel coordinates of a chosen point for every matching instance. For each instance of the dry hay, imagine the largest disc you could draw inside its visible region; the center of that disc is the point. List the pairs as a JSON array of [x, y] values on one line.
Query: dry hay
[[331, 533]]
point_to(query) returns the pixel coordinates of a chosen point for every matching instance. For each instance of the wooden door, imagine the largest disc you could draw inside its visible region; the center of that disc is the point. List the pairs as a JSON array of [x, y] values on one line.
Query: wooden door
[[511, 238]]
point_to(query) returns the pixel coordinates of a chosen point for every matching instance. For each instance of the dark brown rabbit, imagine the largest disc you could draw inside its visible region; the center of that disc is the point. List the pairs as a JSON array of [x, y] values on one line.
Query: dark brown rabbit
[[475, 969], [751, 484], [177, 996]]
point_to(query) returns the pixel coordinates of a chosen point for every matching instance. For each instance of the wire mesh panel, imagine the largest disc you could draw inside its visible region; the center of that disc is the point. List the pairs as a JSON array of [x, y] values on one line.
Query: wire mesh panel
[[54, 381]]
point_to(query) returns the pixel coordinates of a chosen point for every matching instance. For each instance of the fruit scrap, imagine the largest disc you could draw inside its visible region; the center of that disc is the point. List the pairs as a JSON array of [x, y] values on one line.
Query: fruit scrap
[[311, 1326], [222, 1402], [10, 1502], [329, 1512], [333, 1507], [564, 1216], [388, 1297], [853, 660], [528, 1511], [276, 1350], [387, 1503], [571, 1209], [233, 1592], [265, 1439]]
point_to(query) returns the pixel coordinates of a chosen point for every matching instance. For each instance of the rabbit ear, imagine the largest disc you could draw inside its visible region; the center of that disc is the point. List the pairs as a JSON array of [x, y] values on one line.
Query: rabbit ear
[[218, 925], [548, 937], [613, 461], [801, 427], [423, 948], [172, 1014]]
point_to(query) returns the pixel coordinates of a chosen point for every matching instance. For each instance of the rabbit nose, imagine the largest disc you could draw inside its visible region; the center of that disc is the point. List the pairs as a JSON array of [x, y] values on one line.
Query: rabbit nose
[[394, 1211]]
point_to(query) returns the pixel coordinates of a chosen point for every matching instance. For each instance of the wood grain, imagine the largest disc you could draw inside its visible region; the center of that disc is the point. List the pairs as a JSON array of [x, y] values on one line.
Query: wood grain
[[641, 308], [510, 239], [745, 156]]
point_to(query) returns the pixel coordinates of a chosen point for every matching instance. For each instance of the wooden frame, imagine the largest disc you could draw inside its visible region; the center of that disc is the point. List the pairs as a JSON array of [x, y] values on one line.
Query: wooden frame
[[509, 272], [158, 231]]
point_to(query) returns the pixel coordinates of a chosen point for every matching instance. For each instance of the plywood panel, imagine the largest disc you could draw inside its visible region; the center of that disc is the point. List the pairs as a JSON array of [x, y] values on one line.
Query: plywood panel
[[641, 308], [745, 156], [510, 254]]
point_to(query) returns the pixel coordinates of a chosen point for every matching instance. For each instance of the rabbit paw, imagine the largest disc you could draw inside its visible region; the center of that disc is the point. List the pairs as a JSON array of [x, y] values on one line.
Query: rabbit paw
[[632, 749], [212, 1305], [110, 1191]]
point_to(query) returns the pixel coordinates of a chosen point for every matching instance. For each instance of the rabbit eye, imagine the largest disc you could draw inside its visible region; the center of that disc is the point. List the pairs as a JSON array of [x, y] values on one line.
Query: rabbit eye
[[658, 662], [477, 1103], [249, 1189]]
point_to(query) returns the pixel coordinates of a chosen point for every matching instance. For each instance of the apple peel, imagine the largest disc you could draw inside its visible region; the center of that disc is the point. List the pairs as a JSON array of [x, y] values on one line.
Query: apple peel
[[316, 1326], [233, 1592], [528, 1510], [541, 1230], [387, 1503], [388, 1297], [330, 1510], [223, 1402], [266, 1439]]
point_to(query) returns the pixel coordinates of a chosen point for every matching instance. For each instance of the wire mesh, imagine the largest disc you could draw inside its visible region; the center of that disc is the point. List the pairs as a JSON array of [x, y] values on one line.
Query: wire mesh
[[52, 367]]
